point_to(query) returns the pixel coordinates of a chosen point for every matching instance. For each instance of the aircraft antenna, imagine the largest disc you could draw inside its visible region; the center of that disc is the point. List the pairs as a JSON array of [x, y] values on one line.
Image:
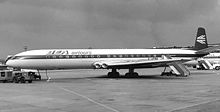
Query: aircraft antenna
[[25, 48]]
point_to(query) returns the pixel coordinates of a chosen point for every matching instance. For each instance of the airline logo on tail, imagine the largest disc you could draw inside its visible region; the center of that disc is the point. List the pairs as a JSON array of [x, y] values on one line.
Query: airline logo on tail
[[201, 39]]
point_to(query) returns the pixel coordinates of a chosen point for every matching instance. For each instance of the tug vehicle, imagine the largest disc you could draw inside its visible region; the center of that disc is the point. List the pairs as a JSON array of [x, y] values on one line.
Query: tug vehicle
[[22, 77], [8, 74]]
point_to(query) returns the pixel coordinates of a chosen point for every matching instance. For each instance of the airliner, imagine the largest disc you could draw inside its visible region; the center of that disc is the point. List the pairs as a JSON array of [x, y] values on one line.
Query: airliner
[[114, 59], [213, 57]]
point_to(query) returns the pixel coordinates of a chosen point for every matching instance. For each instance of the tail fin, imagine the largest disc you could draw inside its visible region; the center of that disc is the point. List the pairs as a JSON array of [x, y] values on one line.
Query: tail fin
[[201, 39]]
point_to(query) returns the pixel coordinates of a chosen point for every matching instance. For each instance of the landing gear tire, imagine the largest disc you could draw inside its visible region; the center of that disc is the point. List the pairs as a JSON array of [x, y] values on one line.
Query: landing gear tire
[[15, 80], [113, 74], [22, 80], [217, 68], [167, 74], [30, 81], [132, 75]]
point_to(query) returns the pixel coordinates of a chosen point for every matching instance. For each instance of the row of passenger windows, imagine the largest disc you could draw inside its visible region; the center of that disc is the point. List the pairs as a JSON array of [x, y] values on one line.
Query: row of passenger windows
[[87, 56], [216, 51], [101, 56], [212, 57]]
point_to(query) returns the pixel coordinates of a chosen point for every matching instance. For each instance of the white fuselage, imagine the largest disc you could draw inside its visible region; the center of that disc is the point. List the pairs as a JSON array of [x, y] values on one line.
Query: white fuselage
[[85, 58], [213, 58]]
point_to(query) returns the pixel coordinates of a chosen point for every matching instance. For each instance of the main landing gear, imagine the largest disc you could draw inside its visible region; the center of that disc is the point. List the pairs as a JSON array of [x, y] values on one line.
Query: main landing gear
[[114, 73], [130, 74]]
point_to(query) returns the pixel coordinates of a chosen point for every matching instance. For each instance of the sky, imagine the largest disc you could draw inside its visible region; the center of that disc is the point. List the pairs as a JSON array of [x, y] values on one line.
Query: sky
[[45, 24]]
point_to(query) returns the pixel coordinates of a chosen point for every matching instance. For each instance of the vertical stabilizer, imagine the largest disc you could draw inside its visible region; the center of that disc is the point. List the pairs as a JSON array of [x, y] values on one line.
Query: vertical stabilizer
[[201, 39]]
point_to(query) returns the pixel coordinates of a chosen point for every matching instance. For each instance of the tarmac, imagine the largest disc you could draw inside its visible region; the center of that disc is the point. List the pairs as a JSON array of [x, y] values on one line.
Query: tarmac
[[92, 91]]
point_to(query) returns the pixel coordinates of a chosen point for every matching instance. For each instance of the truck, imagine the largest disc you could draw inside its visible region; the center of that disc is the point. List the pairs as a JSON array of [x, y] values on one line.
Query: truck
[[33, 73], [22, 77], [16, 76], [6, 76], [216, 66]]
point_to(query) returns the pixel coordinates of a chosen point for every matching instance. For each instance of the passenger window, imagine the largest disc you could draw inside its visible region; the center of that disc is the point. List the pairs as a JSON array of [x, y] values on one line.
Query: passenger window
[[73, 56], [78, 56], [48, 57], [60, 56], [54, 57]]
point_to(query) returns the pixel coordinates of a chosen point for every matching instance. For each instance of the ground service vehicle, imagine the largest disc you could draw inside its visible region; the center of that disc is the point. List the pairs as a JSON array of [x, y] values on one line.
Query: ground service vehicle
[[216, 66], [6, 76], [22, 77], [35, 76]]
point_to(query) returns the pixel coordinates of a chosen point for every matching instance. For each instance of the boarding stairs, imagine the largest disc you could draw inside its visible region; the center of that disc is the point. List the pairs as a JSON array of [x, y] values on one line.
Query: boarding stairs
[[178, 68], [205, 64]]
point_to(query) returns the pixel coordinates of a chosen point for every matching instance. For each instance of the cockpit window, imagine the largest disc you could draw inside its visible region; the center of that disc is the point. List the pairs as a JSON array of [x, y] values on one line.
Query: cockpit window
[[16, 57], [27, 57]]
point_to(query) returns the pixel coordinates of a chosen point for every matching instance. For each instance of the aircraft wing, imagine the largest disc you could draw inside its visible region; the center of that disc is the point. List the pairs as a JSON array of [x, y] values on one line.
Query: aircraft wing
[[142, 63]]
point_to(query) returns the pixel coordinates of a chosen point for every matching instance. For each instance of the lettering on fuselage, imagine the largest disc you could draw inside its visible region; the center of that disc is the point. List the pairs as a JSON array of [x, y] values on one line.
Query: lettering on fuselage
[[66, 52], [81, 53], [58, 52]]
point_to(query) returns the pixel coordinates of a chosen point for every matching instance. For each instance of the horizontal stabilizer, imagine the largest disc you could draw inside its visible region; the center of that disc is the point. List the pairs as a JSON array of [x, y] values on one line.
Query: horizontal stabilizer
[[209, 50]]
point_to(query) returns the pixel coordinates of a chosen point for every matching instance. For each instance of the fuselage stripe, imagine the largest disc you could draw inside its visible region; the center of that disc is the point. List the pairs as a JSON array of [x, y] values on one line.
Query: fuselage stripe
[[154, 56]]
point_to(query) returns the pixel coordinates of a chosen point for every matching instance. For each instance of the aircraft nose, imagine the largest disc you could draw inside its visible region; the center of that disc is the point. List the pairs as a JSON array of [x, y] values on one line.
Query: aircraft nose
[[8, 58], [10, 63], [7, 62]]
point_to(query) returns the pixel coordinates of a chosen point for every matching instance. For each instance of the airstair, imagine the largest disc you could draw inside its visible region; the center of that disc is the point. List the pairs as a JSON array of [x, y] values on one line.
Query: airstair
[[205, 64], [178, 68]]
